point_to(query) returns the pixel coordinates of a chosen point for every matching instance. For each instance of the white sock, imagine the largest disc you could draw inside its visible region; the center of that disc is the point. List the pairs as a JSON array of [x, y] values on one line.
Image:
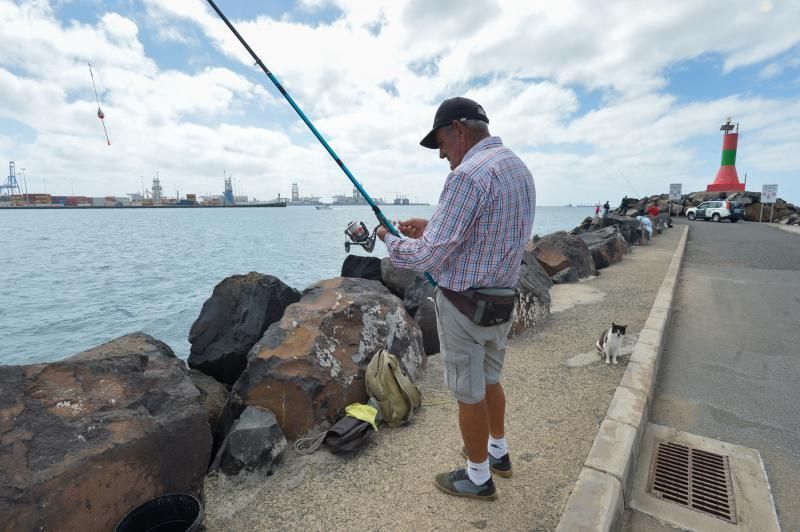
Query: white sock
[[498, 447], [478, 472]]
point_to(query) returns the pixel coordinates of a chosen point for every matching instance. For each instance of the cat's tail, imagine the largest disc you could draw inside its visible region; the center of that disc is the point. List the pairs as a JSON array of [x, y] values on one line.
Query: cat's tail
[[598, 346]]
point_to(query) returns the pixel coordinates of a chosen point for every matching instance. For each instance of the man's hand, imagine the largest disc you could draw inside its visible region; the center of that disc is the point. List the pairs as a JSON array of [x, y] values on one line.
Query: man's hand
[[413, 227], [382, 232]]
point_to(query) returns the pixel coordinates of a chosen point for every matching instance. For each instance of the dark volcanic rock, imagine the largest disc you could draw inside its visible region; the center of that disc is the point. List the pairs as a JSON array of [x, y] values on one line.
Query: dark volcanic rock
[[137, 343], [417, 294], [561, 250], [311, 363], [84, 440], [607, 246], [233, 319], [362, 267], [213, 395], [419, 297], [254, 443], [567, 275], [397, 280], [426, 319], [534, 285], [631, 228]]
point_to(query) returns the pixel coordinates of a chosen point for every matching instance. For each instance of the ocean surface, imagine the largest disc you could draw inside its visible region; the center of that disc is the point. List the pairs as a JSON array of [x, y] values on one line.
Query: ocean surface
[[74, 279]]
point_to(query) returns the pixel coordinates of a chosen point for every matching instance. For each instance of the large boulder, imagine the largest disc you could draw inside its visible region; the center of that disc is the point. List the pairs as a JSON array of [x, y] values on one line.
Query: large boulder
[[137, 343], [425, 317], [631, 228], [754, 212], [418, 301], [419, 292], [254, 443], [233, 319], [607, 246], [397, 280], [561, 250], [213, 395], [533, 305], [85, 439], [362, 267], [310, 365], [566, 276]]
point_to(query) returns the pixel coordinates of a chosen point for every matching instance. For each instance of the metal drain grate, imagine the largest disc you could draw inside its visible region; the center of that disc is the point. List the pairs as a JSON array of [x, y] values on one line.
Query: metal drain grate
[[693, 478]]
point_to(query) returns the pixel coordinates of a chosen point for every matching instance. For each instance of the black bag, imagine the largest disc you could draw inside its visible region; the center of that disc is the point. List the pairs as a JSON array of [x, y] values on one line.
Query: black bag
[[347, 435], [484, 306]]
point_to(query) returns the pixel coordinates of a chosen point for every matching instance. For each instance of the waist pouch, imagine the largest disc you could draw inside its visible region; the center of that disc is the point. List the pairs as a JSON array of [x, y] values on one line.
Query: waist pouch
[[484, 306]]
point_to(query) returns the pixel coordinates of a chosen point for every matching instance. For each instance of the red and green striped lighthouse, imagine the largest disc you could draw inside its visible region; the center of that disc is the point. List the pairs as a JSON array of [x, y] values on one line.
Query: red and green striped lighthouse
[[727, 179]]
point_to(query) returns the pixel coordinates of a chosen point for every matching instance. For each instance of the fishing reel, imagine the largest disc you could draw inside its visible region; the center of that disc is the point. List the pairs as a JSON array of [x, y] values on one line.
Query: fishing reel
[[359, 235]]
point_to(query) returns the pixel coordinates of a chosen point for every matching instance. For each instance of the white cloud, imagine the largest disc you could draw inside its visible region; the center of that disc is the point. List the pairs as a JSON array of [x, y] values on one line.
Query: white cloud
[[371, 80]]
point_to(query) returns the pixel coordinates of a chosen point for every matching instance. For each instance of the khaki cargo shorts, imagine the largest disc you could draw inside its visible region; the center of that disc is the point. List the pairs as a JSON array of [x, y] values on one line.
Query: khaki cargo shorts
[[473, 355]]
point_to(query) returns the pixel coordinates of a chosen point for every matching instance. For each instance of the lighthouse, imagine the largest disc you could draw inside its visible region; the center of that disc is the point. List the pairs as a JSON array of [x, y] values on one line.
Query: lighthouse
[[727, 179]]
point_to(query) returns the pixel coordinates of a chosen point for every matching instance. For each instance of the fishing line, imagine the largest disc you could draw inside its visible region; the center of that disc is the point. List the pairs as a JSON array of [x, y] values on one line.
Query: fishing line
[[626, 180], [100, 114], [378, 213]]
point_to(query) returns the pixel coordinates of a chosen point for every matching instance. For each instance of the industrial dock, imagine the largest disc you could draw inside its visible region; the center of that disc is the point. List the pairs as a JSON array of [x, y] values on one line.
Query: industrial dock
[[14, 195]]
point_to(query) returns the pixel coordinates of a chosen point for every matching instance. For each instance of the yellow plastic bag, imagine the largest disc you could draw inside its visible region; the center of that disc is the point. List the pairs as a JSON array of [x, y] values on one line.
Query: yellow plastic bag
[[362, 412]]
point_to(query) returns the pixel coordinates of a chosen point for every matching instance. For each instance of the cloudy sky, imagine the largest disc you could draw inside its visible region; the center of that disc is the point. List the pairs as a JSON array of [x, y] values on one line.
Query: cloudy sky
[[601, 99]]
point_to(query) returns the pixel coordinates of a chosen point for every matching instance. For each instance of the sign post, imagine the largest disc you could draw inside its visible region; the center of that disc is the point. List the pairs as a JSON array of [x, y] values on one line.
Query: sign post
[[769, 193], [674, 195]]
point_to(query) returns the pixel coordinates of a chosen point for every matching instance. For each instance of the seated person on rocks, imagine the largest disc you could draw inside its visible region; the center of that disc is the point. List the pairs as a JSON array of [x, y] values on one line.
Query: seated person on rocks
[[654, 215], [647, 225]]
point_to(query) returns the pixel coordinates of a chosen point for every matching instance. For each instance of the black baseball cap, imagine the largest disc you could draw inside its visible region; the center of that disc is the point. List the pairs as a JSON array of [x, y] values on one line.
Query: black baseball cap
[[458, 109]]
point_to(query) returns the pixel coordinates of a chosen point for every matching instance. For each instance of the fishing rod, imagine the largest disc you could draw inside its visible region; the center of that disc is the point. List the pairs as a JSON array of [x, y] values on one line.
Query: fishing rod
[[357, 231], [100, 114], [626, 180]]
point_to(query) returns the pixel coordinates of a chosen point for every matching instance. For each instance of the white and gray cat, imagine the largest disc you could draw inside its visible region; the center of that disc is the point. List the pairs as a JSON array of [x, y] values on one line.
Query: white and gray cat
[[610, 342]]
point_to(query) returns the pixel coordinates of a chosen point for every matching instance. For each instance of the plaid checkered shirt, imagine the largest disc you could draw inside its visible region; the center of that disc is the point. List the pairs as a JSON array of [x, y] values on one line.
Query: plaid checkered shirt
[[478, 232]]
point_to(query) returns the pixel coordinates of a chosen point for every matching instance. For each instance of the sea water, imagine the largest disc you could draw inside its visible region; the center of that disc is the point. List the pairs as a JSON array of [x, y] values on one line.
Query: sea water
[[72, 279]]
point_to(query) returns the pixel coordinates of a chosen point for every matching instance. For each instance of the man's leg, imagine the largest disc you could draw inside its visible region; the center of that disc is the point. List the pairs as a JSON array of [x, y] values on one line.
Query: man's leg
[[473, 419], [496, 408]]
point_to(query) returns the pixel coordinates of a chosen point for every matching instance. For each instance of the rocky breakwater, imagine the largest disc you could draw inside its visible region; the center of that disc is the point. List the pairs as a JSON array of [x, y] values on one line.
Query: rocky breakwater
[[310, 365], [85, 439], [782, 211]]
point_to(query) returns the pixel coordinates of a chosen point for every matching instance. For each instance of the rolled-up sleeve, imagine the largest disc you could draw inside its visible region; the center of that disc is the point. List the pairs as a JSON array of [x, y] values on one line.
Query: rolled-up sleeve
[[460, 204]]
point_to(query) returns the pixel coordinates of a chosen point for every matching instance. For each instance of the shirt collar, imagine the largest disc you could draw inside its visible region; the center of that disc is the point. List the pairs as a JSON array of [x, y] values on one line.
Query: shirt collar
[[484, 144]]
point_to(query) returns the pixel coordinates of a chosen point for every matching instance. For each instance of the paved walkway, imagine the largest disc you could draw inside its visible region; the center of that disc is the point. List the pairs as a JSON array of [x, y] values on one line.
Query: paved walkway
[[731, 363], [554, 410]]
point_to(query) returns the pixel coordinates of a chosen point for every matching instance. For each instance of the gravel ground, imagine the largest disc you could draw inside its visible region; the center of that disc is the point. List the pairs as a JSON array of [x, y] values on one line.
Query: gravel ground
[[557, 394]]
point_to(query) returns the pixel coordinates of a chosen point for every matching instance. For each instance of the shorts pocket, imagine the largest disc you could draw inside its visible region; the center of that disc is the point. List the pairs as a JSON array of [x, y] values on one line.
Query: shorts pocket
[[458, 375]]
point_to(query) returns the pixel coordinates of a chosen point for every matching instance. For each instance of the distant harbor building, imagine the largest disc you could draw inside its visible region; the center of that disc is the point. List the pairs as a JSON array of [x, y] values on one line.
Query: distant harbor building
[[11, 186], [227, 196], [297, 200], [156, 191]]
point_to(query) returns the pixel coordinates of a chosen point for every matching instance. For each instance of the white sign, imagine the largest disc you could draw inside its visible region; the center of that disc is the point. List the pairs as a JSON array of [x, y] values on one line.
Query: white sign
[[769, 193], [675, 192]]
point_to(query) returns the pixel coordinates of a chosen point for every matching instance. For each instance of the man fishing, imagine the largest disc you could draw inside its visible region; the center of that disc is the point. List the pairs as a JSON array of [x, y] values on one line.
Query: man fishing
[[472, 246]]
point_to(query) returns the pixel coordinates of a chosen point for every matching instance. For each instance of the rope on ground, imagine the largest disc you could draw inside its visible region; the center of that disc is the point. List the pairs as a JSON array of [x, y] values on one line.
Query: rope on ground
[[309, 444], [437, 403]]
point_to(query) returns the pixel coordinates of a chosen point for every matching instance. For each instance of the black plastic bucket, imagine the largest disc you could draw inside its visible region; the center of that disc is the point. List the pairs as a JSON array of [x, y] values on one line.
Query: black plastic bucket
[[176, 512]]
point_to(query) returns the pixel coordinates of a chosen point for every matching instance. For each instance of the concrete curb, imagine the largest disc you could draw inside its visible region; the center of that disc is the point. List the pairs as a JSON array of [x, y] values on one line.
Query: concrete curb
[[794, 229], [597, 501]]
